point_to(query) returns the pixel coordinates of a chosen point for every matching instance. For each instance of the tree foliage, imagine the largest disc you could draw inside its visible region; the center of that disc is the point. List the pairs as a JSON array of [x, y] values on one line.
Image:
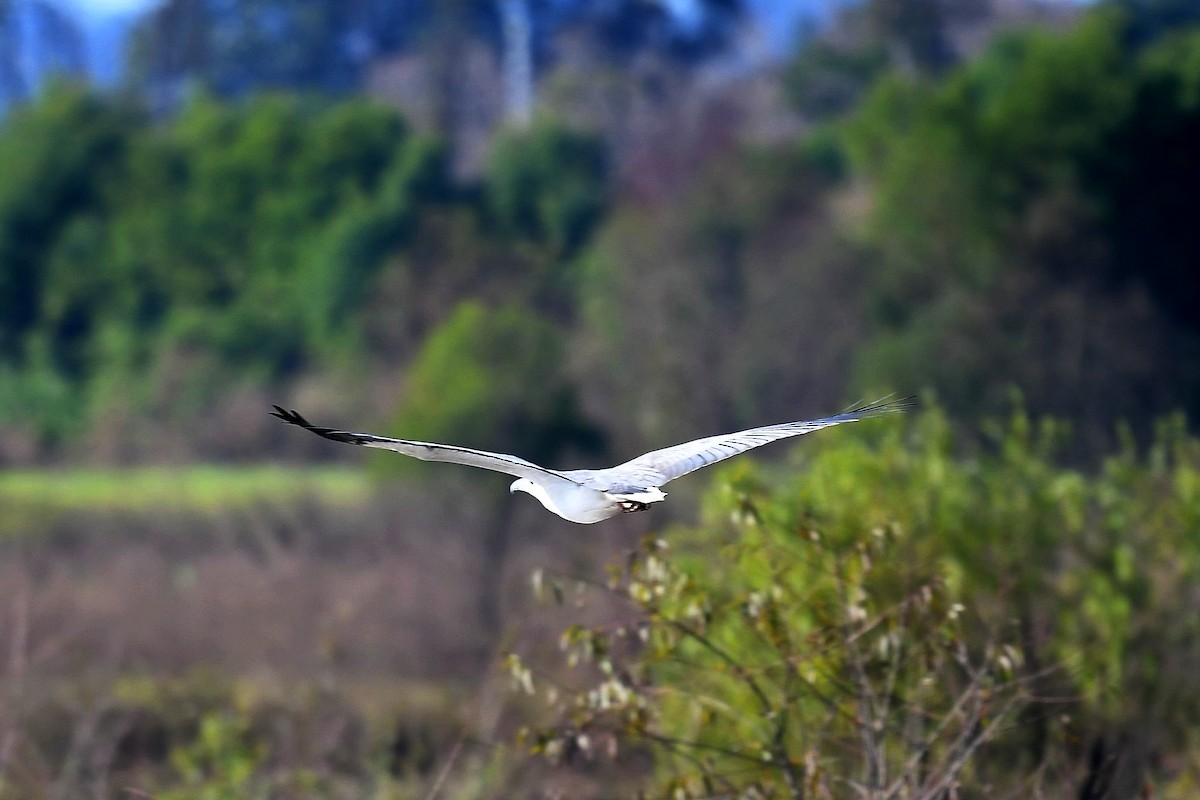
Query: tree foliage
[[547, 185], [1023, 220], [734, 304], [122, 241], [472, 383]]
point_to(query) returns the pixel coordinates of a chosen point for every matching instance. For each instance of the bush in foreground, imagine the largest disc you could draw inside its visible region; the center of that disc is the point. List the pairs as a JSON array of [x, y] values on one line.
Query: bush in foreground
[[897, 620]]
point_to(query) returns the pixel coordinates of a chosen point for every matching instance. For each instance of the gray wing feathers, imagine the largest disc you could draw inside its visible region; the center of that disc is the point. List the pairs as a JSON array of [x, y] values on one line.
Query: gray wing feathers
[[660, 466], [646, 471], [429, 451]]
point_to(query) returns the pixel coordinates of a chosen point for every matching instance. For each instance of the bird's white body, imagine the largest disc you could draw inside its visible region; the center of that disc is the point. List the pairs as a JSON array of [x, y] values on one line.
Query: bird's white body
[[586, 495], [584, 505]]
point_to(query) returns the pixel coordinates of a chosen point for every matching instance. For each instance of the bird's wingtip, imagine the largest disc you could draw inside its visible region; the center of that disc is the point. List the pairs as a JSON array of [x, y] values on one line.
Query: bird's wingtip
[[885, 405], [291, 416]]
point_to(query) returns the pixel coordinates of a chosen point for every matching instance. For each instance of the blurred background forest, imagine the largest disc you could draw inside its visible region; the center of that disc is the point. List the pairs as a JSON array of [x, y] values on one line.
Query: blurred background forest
[[576, 231]]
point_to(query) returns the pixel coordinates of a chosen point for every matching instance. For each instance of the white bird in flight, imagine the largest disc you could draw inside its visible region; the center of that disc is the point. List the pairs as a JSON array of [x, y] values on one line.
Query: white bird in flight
[[591, 495]]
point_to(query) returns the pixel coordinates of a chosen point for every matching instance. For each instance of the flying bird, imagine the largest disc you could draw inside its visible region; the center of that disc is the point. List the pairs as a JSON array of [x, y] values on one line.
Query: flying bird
[[591, 495]]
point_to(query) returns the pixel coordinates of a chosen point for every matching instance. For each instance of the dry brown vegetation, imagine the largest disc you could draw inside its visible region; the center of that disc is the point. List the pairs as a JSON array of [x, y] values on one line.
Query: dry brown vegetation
[[348, 642]]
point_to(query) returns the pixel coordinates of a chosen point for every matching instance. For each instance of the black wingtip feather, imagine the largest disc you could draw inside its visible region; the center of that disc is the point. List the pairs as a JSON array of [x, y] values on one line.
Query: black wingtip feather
[[885, 405], [293, 417]]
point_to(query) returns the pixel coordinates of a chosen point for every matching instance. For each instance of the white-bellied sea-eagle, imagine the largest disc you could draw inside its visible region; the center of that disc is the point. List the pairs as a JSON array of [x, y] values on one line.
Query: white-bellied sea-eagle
[[590, 495]]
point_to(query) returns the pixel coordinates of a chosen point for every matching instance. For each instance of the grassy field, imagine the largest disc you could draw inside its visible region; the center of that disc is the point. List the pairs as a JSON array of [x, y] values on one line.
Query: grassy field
[[204, 488]]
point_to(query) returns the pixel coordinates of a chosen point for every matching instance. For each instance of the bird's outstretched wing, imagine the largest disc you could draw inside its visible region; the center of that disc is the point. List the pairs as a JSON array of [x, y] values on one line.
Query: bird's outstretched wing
[[659, 466], [428, 451]]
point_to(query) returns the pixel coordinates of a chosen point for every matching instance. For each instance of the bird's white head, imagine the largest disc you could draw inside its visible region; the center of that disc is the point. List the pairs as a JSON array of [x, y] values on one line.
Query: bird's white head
[[538, 491]]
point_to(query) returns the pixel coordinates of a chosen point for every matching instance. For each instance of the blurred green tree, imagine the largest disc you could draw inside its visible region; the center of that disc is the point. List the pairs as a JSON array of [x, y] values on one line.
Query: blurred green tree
[[739, 303], [225, 231], [547, 185], [63, 159], [494, 379], [825, 79], [1023, 224]]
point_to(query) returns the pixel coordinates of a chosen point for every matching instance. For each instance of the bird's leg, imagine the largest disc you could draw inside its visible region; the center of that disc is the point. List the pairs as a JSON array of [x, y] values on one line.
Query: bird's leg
[[633, 505]]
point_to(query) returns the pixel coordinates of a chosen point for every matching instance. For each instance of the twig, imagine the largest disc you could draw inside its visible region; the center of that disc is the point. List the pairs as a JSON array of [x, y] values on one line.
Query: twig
[[875, 763], [445, 770], [733, 664]]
